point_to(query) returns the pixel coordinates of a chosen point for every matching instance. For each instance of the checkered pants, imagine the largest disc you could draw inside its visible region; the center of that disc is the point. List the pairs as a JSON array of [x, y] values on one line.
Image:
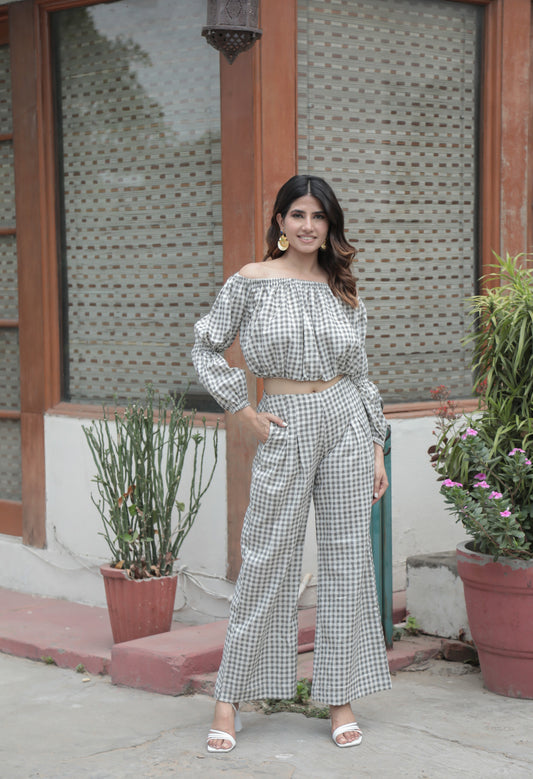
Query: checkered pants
[[325, 452]]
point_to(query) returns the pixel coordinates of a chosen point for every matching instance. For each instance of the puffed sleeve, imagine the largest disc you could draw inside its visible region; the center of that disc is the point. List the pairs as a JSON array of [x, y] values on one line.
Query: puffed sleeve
[[214, 333], [367, 390]]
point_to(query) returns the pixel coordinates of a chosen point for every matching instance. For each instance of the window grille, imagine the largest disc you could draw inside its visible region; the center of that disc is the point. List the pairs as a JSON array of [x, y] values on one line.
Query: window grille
[[9, 360], [8, 277], [10, 454], [7, 185], [138, 121], [387, 104], [5, 90]]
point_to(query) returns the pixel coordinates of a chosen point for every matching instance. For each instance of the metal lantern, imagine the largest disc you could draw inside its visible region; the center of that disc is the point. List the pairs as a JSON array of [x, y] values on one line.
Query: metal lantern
[[232, 26]]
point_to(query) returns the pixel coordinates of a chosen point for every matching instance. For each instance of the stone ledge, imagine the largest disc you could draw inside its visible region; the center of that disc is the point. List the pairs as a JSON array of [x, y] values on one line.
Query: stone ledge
[[435, 595]]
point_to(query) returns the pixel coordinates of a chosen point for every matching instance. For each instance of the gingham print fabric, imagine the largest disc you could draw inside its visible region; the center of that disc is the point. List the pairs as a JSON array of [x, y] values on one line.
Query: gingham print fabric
[[290, 329], [325, 452]]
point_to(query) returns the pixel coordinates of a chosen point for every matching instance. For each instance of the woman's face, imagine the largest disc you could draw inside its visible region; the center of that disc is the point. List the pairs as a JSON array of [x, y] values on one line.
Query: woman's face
[[305, 224]]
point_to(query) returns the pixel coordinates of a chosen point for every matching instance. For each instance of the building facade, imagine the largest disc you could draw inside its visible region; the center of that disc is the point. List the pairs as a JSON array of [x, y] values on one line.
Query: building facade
[[138, 171]]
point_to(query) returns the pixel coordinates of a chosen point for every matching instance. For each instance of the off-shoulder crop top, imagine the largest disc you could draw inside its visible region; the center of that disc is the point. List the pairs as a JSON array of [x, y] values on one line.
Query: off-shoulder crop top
[[289, 329]]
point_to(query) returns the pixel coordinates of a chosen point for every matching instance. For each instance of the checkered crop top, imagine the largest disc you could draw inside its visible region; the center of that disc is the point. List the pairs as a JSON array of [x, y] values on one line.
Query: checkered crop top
[[289, 329]]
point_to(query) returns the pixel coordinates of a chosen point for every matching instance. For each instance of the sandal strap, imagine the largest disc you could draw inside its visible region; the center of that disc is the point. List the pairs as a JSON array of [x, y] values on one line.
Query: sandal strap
[[221, 735], [345, 728]]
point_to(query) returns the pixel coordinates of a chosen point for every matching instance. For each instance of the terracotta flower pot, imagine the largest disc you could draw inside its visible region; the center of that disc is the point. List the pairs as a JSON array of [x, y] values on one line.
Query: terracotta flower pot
[[138, 607], [499, 604]]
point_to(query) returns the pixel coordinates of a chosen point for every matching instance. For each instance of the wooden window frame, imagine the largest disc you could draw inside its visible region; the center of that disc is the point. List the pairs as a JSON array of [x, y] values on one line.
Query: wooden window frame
[[11, 510], [4, 27], [258, 122]]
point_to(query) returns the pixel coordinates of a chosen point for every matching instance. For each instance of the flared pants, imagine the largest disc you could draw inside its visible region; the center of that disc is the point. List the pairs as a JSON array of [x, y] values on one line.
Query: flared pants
[[325, 453]]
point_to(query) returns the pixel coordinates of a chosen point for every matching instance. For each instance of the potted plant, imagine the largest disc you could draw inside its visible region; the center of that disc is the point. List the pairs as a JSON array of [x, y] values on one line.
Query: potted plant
[[145, 508], [485, 464]]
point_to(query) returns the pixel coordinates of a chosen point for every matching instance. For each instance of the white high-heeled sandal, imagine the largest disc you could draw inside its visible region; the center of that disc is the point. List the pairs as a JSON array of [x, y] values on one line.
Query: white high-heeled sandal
[[221, 735], [351, 726]]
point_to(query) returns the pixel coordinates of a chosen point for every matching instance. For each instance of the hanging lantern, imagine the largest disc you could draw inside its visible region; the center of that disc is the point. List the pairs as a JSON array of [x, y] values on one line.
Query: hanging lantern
[[232, 26]]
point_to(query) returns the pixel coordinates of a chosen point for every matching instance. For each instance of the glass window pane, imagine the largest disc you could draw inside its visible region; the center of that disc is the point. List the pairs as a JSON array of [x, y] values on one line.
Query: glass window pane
[[387, 99], [7, 185], [5, 91], [10, 463], [8, 277], [9, 366], [139, 124]]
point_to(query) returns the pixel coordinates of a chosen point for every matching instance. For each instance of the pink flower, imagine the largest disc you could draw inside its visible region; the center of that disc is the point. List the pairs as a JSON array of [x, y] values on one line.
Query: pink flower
[[495, 495], [469, 431], [505, 513], [480, 476], [527, 462], [450, 483], [482, 484], [514, 451]]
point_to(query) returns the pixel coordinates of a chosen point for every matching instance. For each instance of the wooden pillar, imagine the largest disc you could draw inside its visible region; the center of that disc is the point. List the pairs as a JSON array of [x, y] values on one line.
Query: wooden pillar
[[530, 154], [515, 119], [278, 104], [258, 121], [491, 137], [505, 130], [28, 182], [238, 216]]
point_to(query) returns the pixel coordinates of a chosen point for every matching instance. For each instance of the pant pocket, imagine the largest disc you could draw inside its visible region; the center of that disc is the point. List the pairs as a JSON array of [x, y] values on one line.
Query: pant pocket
[[271, 451]]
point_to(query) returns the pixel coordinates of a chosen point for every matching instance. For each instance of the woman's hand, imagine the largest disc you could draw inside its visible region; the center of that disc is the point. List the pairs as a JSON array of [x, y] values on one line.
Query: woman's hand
[[381, 481], [258, 422]]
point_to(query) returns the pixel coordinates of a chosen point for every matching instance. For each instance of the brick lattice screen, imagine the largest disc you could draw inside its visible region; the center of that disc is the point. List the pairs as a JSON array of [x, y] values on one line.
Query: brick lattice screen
[[387, 103], [138, 118], [10, 453]]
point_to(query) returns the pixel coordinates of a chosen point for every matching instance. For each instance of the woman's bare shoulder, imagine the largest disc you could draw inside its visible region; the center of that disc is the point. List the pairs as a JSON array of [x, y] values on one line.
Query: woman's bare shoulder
[[258, 270]]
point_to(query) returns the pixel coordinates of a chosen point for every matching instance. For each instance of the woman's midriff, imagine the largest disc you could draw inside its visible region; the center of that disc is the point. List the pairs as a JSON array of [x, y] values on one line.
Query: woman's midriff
[[291, 387]]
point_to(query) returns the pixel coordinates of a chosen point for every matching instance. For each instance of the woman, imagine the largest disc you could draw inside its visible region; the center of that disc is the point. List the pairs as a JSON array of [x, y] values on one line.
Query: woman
[[320, 431]]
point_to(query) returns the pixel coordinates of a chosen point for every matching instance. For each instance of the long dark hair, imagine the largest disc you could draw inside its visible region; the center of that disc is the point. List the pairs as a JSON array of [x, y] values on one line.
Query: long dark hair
[[338, 255]]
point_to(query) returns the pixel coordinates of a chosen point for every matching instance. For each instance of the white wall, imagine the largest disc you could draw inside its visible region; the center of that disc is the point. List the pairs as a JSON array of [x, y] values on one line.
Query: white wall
[[68, 567], [420, 523]]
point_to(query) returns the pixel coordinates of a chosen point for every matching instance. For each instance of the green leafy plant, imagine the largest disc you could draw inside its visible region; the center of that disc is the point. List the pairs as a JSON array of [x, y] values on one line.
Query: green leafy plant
[[411, 628], [140, 456], [484, 460], [488, 504]]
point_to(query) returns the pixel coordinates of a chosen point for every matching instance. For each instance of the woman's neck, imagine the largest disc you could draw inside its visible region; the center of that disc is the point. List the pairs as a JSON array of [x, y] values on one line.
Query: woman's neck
[[302, 264]]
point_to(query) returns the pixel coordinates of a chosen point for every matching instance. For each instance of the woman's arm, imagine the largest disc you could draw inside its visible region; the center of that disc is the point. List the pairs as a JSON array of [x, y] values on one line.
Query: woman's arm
[[381, 481], [367, 390], [214, 333]]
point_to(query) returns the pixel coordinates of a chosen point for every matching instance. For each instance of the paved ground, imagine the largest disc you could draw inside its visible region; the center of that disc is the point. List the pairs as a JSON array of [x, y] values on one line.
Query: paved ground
[[438, 721]]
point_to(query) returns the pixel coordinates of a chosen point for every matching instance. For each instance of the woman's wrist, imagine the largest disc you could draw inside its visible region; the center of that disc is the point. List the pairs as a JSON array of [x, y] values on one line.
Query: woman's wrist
[[378, 452], [245, 412], [247, 416]]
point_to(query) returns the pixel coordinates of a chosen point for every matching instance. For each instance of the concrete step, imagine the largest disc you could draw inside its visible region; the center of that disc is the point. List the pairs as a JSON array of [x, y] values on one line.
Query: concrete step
[[167, 663], [406, 653], [69, 634], [184, 660]]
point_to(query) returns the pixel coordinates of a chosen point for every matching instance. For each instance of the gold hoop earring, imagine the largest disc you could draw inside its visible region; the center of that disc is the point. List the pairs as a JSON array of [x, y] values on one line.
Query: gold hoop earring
[[324, 246], [283, 243]]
